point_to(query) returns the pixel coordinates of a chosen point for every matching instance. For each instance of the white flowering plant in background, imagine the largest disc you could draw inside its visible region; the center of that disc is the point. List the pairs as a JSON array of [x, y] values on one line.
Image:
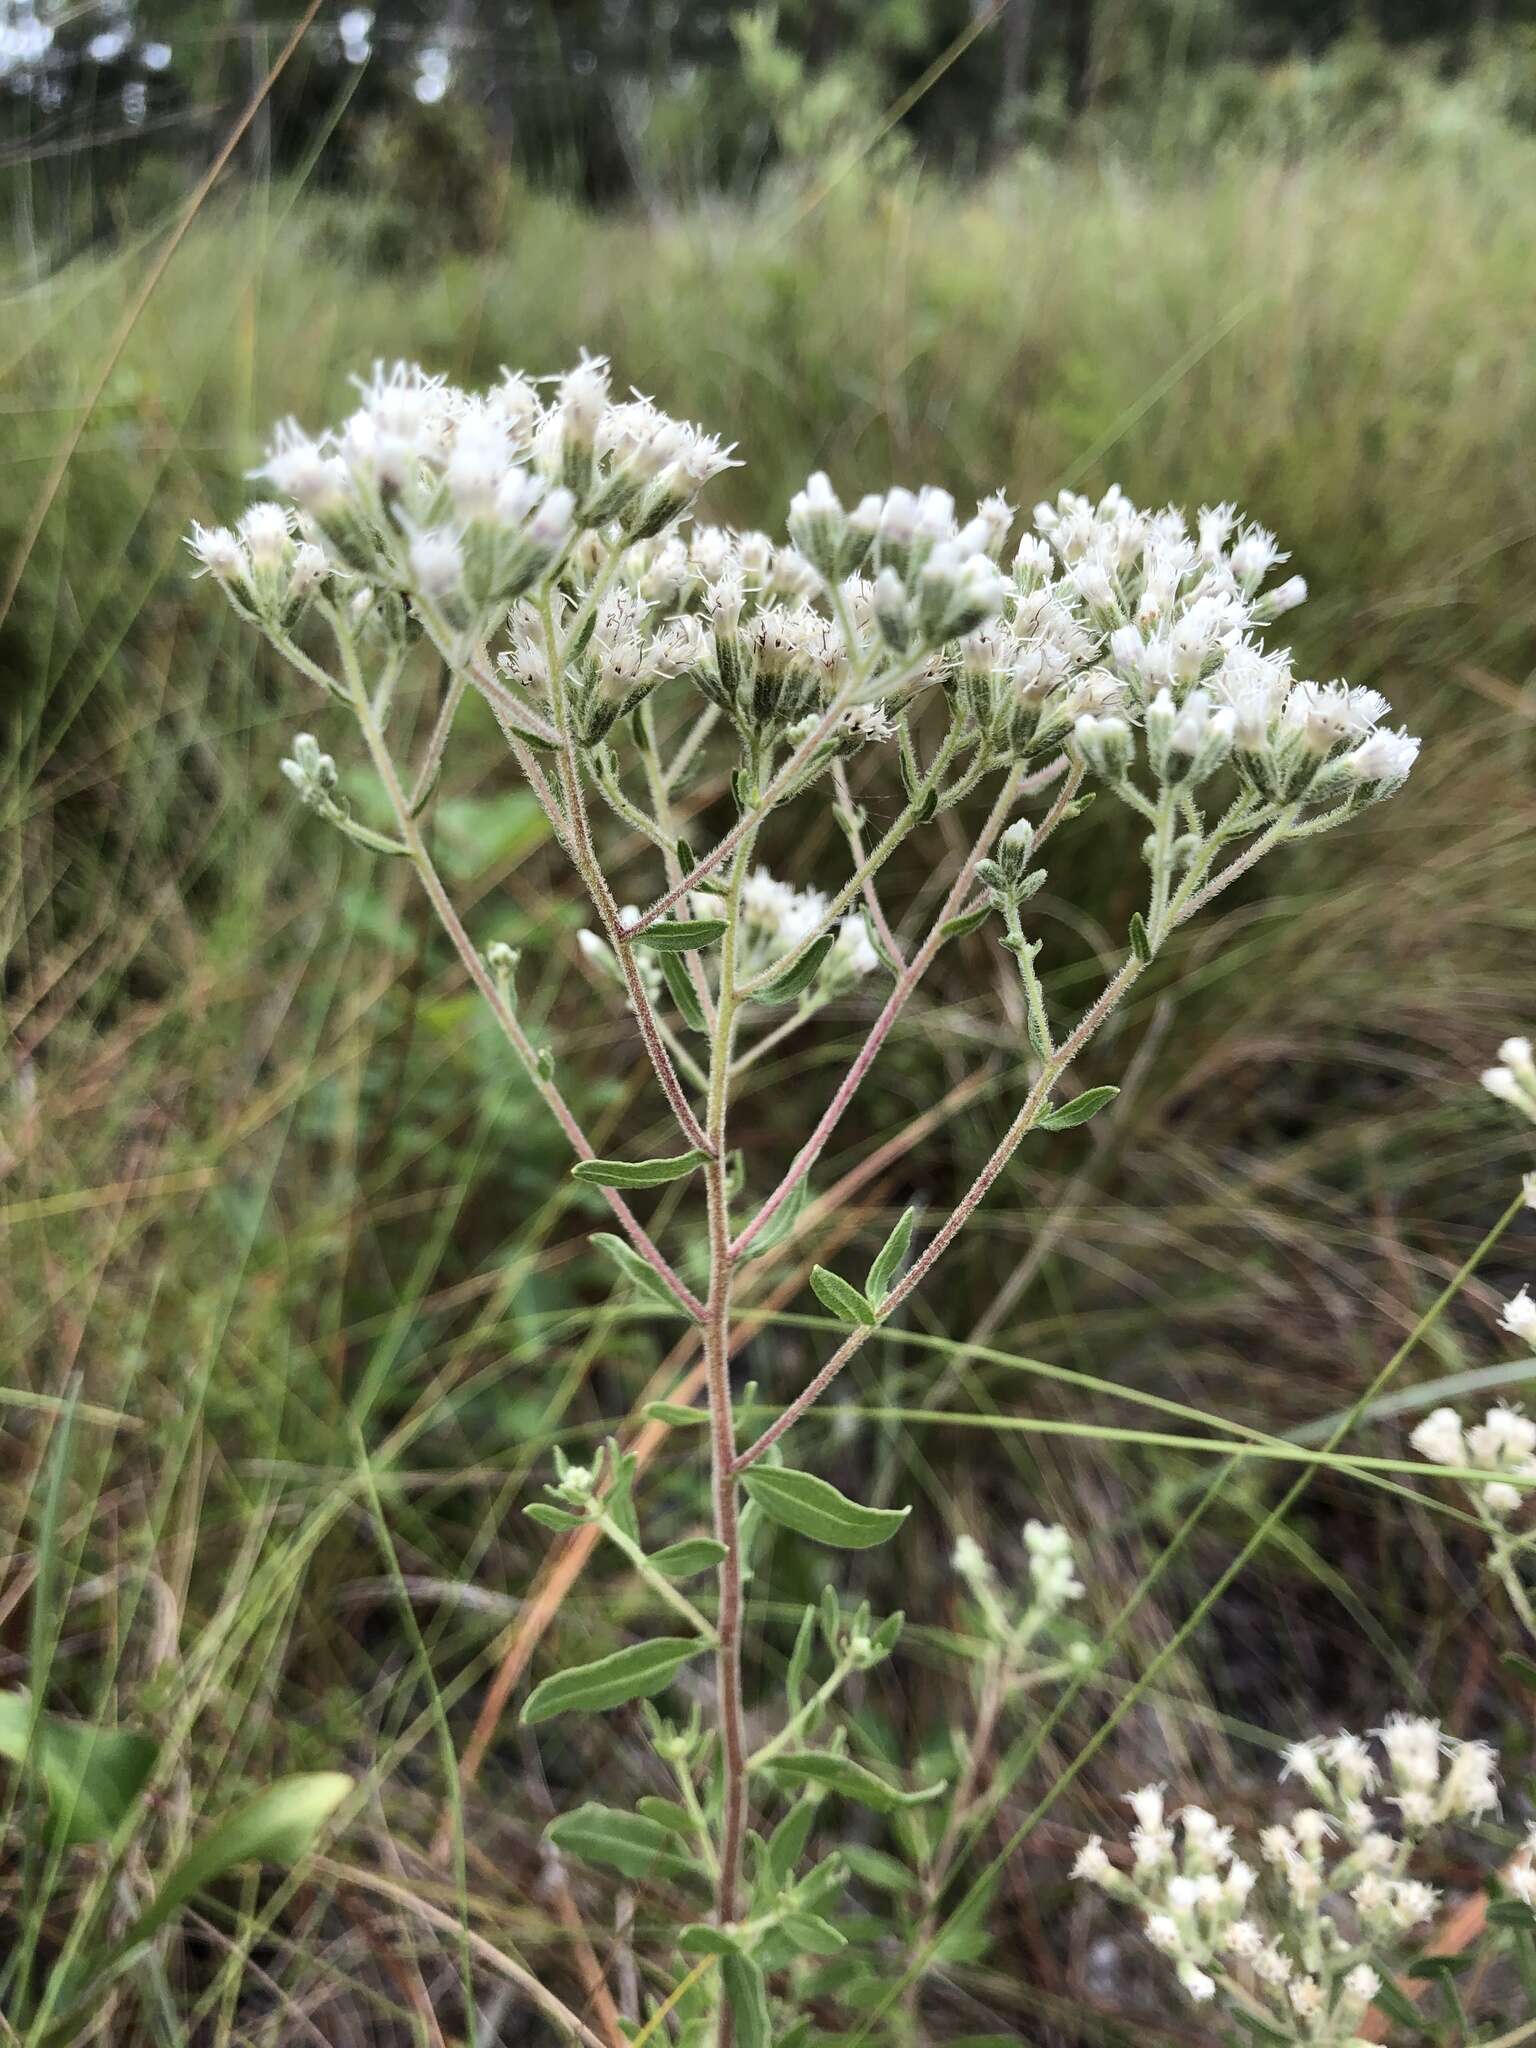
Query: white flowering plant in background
[[1298, 1940], [1496, 1457], [647, 670]]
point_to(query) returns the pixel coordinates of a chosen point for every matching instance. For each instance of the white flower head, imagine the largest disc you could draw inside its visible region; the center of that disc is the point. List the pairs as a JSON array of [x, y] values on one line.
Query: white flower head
[[1519, 1318]]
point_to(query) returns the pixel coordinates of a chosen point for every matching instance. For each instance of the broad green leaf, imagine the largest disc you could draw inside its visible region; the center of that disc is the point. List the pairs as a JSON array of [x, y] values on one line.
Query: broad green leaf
[[693, 1554], [629, 1674], [842, 1774], [968, 921], [681, 935], [889, 1261], [1521, 1666], [747, 1996], [781, 1222], [677, 1414], [795, 980], [91, 1776], [635, 1269], [684, 994], [843, 1300], [813, 1935], [277, 1825], [637, 1173], [634, 1844], [1077, 1111], [813, 1507]]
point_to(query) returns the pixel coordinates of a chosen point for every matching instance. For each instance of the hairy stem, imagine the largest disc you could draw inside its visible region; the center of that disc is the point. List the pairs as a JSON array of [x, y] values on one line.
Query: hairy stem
[[485, 982]]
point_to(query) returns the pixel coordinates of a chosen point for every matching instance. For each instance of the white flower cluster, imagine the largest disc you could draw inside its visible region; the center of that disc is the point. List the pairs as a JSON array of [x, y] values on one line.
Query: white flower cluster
[[1305, 1944], [465, 500], [776, 918], [267, 572], [1513, 1080], [1053, 1583], [1503, 1444], [1142, 623]]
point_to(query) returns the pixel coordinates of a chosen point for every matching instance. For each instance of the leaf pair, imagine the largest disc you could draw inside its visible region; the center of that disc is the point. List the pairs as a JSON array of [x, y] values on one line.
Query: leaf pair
[[845, 1301]]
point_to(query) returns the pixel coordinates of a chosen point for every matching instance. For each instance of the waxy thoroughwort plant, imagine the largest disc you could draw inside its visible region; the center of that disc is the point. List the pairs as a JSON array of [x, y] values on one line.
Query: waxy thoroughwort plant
[[539, 538]]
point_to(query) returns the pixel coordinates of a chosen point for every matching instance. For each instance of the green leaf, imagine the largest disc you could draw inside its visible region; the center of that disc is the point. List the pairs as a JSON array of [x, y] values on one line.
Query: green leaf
[[634, 1844], [1392, 2002], [1521, 1666], [91, 1776], [799, 1659], [786, 1845], [1141, 945], [842, 1774], [813, 1935], [1433, 1967], [629, 1674], [968, 921], [681, 935], [813, 1507], [781, 1222], [676, 1414], [693, 1554], [637, 1173], [795, 980], [1077, 1111], [638, 1272], [1511, 1913], [878, 1869], [889, 1262], [843, 1300], [277, 1825], [747, 1997], [549, 1517], [667, 1813], [680, 982], [698, 1938]]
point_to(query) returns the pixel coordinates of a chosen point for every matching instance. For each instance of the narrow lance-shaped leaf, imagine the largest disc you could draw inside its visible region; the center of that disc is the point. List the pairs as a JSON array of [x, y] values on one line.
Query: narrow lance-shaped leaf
[[637, 1173], [1077, 1111], [633, 1844], [683, 1560], [843, 1300], [747, 1996], [681, 935], [813, 1507], [968, 921], [629, 1674], [781, 1222], [854, 1781], [684, 994], [797, 979], [639, 1271], [890, 1259]]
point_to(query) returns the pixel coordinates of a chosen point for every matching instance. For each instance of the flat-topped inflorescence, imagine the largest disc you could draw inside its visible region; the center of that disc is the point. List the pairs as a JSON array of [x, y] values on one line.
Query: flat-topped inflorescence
[[1300, 1934]]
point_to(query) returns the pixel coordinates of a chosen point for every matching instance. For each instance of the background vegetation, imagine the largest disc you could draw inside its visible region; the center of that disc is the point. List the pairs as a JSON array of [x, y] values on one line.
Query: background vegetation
[[294, 1292]]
